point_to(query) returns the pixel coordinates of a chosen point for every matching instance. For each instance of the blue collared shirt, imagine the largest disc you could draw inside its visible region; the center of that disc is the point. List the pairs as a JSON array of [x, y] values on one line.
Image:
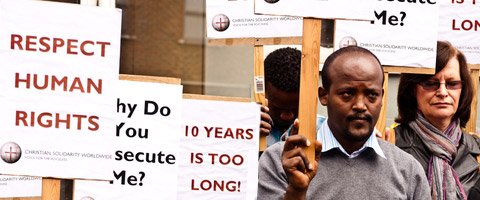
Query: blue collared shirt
[[325, 135], [276, 136]]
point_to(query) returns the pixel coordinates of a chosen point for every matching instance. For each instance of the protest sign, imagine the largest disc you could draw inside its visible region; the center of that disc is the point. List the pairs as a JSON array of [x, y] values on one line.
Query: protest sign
[[146, 144], [59, 64], [219, 157], [20, 186], [235, 19], [326, 9], [460, 25], [401, 34]]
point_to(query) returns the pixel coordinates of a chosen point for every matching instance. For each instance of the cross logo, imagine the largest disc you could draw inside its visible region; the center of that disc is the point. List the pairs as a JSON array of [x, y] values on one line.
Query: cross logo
[[348, 41], [10, 152], [220, 22]]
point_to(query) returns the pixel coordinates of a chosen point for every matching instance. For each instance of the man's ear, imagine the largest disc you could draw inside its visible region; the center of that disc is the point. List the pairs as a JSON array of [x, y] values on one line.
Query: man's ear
[[322, 96]]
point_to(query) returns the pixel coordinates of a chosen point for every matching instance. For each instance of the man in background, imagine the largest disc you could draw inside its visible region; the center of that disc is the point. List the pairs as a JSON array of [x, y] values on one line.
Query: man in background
[[282, 88]]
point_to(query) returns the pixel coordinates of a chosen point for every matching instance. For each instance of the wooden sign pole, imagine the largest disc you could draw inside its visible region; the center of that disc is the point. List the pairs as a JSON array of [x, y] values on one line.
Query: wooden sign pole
[[309, 82], [382, 119], [471, 124], [259, 85], [50, 189]]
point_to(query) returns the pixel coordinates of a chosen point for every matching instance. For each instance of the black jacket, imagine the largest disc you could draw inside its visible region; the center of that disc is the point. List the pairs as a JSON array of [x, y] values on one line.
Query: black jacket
[[464, 163], [475, 191]]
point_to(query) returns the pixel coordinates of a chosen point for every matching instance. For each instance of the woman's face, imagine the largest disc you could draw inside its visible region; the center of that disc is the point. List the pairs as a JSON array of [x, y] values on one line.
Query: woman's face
[[439, 105]]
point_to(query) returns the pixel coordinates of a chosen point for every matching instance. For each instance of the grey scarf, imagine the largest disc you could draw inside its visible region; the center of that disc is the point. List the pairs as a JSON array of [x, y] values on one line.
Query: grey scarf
[[442, 177]]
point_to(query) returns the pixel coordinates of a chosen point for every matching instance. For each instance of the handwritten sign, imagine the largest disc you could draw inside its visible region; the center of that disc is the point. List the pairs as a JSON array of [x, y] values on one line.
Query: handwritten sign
[[59, 64], [460, 25], [405, 34]]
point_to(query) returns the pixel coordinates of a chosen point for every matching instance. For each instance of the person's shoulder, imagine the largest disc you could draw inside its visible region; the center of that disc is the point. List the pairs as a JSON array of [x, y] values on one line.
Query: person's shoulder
[[472, 142], [391, 149], [404, 136], [396, 154]]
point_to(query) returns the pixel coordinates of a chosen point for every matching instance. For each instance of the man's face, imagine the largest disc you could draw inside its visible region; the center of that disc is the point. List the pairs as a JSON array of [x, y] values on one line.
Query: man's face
[[283, 106], [354, 98]]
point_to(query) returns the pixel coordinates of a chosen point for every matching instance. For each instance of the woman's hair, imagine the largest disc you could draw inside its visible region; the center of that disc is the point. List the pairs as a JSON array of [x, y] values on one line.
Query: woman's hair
[[407, 101]]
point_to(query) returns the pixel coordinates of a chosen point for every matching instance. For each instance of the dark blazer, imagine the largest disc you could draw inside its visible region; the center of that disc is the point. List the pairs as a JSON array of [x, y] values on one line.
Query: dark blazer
[[475, 191], [464, 163]]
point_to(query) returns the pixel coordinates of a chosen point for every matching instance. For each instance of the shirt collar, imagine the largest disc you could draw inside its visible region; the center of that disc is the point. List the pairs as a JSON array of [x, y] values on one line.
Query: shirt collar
[[325, 135]]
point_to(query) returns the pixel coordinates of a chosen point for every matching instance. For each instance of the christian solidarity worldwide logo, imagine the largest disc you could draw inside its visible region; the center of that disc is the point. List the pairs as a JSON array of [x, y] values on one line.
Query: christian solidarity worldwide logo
[[10, 152], [220, 22]]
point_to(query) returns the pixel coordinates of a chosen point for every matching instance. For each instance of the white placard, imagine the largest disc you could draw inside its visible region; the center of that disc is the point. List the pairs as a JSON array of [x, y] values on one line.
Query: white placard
[[20, 186], [235, 19], [146, 145], [325, 9], [59, 64], [460, 25], [402, 34], [219, 148], [225, 133]]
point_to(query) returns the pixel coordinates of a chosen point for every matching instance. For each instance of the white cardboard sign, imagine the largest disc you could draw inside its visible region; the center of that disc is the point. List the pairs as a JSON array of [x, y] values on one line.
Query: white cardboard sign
[[325, 9], [59, 64], [219, 152], [20, 186], [235, 19], [217, 159], [146, 145], [460, 25], [402, 33]]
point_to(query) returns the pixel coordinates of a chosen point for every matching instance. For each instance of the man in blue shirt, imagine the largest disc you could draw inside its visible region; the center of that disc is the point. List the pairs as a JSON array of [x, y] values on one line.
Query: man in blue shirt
[[282, 86], [352, 163]]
